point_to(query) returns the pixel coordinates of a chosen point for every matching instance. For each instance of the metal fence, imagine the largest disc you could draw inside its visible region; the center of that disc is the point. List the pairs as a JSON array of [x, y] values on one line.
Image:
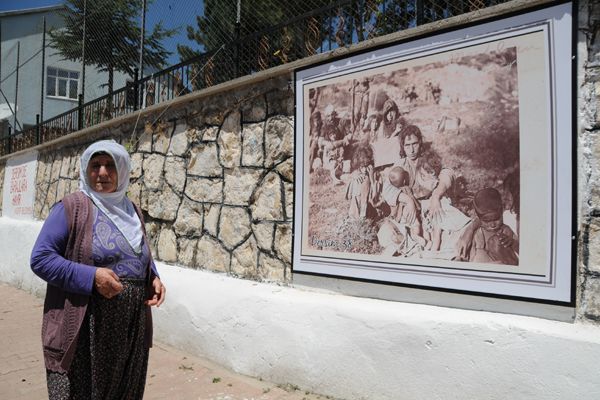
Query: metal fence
[[244, 38]]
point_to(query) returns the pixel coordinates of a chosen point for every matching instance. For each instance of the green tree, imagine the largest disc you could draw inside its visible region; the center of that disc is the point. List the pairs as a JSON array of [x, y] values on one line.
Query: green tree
[[217, 27], [345, 23], [318, 25], [112, 38]]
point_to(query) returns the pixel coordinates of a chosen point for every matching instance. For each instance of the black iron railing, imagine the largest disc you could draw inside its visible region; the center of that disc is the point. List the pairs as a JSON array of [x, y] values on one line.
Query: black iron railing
[[336, 25]]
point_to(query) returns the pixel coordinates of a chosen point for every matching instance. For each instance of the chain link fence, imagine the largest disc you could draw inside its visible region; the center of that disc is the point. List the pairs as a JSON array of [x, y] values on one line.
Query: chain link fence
[[133, 42]]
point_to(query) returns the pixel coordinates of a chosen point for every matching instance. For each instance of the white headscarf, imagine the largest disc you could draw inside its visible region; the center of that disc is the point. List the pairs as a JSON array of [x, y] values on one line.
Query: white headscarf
[[115, 205]]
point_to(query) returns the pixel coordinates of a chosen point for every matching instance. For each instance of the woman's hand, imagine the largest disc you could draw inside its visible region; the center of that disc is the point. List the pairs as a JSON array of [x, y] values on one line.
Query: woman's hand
[[465, 241], [159, 293], [107, 283], [435, 209], [411, 210], [445, 179]]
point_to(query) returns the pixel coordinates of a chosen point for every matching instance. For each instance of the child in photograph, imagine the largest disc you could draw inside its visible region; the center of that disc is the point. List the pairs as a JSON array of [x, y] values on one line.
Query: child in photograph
[[400, 179], [360, 189], [361, 93], [493, 242], [371, 127], [333, 152], [315, 152]]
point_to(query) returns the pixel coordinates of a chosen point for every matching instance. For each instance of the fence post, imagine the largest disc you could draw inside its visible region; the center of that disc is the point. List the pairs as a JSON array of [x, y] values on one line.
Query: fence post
[[17, 87], [9, 146], [80, 112], [43, 69], [420, 14], [136, 90], [237, 37], [361, 20], [37, 128], [237, 49]]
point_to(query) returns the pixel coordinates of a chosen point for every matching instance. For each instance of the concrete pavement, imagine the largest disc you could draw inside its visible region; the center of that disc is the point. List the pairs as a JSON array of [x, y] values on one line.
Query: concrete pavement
[[172, 374]]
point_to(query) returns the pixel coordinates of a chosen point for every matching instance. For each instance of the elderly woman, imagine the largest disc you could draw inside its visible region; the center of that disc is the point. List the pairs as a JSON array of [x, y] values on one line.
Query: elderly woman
[[92, 252], [424, 196]]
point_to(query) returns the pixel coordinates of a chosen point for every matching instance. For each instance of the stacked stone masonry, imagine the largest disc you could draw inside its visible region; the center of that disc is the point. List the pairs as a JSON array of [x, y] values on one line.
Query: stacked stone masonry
[[589, 160], [214, 179]]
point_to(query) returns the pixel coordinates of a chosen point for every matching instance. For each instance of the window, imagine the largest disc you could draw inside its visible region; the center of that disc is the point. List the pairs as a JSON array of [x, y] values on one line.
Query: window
[[62, 83]]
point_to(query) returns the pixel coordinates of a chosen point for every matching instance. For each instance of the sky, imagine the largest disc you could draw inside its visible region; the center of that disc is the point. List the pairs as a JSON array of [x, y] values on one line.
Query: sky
[[10, 5], [176, 14]]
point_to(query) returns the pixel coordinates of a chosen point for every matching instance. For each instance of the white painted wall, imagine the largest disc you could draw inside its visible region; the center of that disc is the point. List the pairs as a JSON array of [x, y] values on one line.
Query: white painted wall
[[355, 348]]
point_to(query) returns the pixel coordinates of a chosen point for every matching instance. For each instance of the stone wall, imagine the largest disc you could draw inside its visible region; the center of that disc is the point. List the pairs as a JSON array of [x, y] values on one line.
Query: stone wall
[[589, 160], [213, 176]]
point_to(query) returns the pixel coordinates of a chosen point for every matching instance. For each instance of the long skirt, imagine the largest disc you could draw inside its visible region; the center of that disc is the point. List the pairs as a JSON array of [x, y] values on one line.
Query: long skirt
[[111, 358]]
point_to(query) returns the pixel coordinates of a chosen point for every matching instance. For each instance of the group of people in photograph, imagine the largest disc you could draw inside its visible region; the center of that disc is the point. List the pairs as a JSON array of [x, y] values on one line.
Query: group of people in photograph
[[393, 178]]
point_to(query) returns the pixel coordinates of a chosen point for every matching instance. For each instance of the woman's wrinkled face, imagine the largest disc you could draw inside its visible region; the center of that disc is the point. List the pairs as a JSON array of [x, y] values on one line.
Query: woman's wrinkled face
[[412, 145], [102, 174]]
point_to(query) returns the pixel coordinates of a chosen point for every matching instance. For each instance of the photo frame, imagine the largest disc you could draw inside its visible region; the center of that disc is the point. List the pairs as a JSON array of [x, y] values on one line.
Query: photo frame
[[444, 162]]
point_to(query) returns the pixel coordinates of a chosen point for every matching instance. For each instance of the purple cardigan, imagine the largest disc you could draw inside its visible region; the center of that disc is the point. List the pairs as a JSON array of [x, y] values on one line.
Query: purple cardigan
[[62, 256]]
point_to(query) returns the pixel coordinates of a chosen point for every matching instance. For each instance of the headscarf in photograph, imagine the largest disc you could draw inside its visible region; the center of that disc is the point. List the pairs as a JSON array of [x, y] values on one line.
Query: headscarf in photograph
[[115, 205]]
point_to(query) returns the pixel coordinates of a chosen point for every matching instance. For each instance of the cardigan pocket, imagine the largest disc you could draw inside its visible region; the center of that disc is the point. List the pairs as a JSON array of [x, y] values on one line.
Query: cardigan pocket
[[53, 334]]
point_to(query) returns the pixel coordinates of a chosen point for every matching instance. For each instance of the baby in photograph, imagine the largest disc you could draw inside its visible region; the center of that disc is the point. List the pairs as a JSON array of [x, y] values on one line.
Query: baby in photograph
[[400, 179], [493, 242]]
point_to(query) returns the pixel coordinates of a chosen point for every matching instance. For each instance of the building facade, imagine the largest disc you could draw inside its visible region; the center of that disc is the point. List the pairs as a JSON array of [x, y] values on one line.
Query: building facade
[[35, 80]]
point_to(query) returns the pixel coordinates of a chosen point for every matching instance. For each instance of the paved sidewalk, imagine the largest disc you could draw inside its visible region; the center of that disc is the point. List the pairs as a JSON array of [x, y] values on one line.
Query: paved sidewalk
[[171, 373]]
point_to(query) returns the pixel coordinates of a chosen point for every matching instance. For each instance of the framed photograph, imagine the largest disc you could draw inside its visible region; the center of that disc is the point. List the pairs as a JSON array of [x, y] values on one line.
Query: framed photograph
[[444, 162]]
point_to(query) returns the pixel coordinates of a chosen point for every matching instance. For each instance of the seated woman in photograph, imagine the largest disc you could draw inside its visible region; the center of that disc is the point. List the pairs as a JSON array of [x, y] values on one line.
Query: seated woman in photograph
[[427, 188], [93, 253]]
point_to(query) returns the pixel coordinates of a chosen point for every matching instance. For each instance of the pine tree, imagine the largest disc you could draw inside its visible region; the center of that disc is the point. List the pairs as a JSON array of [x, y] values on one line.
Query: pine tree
[[112, 38]]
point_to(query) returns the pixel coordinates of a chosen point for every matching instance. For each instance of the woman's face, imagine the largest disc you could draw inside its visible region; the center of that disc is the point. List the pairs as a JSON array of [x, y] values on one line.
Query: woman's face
[[412, 145], [391, 115], [102, 174]]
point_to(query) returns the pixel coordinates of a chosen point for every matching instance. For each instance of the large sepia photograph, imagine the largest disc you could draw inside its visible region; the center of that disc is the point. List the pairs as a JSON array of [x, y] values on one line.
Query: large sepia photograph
[[411, 162], [438, 161]]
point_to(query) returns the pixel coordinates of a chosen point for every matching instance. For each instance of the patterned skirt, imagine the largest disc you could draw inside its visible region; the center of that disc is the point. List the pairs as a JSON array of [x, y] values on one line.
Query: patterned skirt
[[111, 358]]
